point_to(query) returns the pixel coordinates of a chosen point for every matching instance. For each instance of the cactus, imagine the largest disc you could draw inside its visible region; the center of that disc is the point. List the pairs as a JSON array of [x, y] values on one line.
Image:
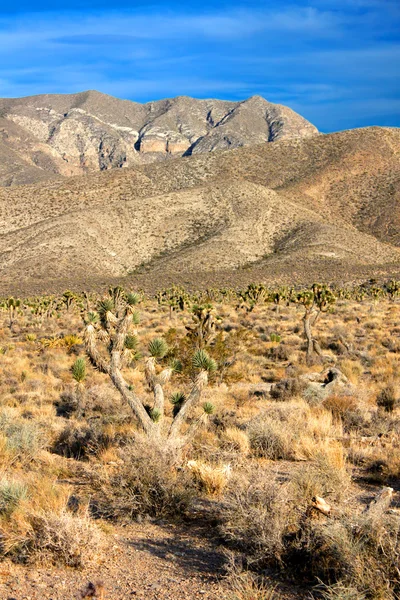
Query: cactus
[[109, 344]]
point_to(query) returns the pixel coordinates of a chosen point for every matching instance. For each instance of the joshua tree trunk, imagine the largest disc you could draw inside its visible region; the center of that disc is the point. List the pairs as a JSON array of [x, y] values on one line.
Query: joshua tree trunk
[[313, 348]]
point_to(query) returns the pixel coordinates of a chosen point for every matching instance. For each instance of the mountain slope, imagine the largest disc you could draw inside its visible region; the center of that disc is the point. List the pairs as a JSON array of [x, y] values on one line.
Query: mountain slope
[[63, 135], [324, 206]]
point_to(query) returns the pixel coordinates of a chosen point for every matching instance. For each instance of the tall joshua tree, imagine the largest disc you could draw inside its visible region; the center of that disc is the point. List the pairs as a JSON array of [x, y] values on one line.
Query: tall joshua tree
[[112, 346], [315, 301]]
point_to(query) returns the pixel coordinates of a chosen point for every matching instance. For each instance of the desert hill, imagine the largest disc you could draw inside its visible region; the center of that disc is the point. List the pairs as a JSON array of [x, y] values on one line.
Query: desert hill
[[48, 136], [324, 206]]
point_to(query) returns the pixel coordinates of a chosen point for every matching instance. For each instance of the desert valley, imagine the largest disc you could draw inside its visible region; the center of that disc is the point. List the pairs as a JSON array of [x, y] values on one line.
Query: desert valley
[[199, 352]]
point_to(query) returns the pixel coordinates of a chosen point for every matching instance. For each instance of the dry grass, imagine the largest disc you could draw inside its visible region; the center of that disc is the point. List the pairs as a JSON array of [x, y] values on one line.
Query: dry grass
[[260, 461]]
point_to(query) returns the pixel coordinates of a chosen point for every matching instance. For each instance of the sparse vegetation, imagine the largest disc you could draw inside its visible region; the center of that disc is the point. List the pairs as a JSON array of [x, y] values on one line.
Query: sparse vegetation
[[130, 419]]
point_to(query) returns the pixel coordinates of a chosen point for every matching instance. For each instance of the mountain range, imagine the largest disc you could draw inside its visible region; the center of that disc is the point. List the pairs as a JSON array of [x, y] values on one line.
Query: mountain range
[[251, 192], [43, 137]]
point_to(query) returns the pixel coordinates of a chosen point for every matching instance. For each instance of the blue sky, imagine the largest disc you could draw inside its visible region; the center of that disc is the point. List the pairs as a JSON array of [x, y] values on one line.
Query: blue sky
[[335, 62]]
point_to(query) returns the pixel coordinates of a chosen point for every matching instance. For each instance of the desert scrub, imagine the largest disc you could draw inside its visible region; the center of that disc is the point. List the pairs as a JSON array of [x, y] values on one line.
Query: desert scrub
[[80, 441], [20, 439], [148, 482], [210, 479], [60, 539], [234, 439], [291, 431], [257, 514], [387, 398], [36, 525], [12, 492]]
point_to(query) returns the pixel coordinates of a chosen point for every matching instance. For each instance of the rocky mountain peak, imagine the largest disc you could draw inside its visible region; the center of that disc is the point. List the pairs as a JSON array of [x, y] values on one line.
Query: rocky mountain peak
[[61, 135]]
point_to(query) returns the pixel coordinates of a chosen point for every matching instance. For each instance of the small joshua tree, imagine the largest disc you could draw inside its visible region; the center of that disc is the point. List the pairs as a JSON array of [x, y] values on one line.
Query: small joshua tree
[[315, 301], [202, 329], [78, 371], [254, 294], [12, 305], [112, 346]]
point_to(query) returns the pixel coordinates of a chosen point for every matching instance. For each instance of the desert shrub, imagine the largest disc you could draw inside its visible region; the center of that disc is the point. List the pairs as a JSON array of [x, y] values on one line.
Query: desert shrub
[[66, 404], [290, 430], [327, 476], [353, 553], [234, 439], [209, 478], [286, 389], [274, 524], [269, 439], [21, 439], [11, 494], [147, 483], [387, 398], [257, 514], [245, 585], [59, 538], [80, 441], [344, 408], [278, 353]]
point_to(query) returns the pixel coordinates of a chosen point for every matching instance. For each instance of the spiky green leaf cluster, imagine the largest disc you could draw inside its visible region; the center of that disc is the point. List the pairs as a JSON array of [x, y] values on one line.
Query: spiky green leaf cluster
[[202, 361], [78, 370], [105, 306], [176, 365], [132, 298], [91, 318], [208, 408], [158, 348], [131, 342], [177, 400], [155, 415]]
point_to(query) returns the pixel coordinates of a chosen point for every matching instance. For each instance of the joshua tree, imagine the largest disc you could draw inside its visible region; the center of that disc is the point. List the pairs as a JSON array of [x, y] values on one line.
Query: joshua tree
[[68, 298], [254, 294], [112, 346], [78, 371], [204, 321], [392, 288], [12, 306], [175, 297], [315, 301]]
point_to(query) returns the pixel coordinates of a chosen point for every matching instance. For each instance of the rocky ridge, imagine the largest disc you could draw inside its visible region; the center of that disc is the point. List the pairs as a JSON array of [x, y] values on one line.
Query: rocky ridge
[[48, 136]]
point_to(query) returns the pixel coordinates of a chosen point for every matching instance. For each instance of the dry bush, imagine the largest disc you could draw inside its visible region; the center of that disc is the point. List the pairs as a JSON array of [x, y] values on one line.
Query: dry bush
[[353, 370], [291, 430], [355, 552], [210, 479], [345, 408], [387, 398], [234, 439], [327, 476], [12, 492], [274, 524], [270, 439], [244, 585], [80, 441], [257, 514], [35, 524], [147, 483], [61, 539], [286, 389], [20, 439]]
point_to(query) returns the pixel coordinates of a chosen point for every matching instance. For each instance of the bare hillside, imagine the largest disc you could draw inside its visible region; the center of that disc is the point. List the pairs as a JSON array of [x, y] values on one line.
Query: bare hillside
[[326, 206], [49, 136]]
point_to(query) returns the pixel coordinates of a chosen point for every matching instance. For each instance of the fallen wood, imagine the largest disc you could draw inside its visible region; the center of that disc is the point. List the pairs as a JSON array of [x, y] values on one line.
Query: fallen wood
[[321, 505]]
